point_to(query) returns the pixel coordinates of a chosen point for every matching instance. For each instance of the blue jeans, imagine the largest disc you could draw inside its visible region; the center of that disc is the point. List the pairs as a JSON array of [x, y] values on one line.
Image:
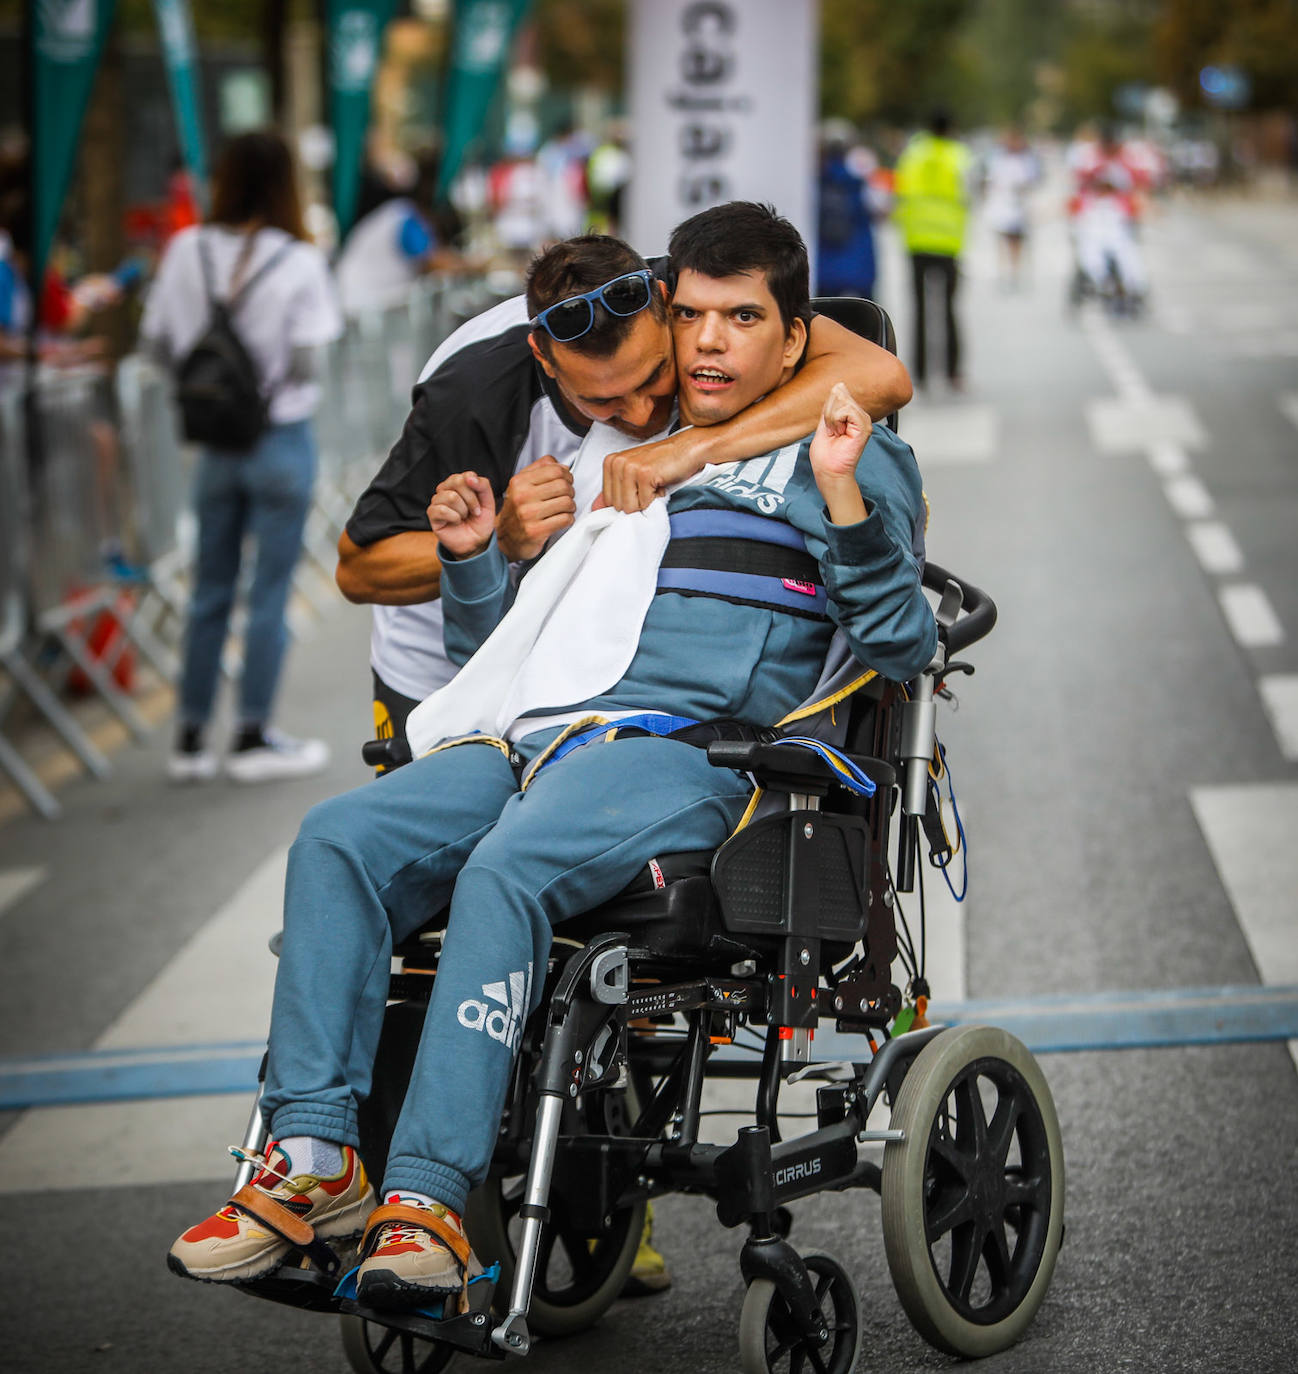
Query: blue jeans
[[264, 494], [370, 867]]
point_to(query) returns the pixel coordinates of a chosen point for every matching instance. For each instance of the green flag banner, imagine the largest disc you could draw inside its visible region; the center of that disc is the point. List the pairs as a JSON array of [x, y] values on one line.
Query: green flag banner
[[67, 38], [484, 31], [180, 55], [355, 40]]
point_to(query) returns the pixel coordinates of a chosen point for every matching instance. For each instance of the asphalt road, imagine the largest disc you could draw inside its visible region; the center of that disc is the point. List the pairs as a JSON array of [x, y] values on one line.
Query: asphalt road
[[1125, 761]]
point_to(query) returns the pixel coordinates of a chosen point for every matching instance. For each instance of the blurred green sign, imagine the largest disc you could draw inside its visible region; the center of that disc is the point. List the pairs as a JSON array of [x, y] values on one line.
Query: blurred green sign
[[355, 42], [484, 33], [177, 30], [67, 39]]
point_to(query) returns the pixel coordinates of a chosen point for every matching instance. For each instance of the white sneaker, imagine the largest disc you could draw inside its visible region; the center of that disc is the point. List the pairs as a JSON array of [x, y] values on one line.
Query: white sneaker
[[281, 756], [199, 766]]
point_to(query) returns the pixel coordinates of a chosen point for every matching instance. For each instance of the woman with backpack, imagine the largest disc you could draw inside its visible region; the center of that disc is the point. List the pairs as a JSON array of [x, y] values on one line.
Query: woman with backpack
[[238, 309]]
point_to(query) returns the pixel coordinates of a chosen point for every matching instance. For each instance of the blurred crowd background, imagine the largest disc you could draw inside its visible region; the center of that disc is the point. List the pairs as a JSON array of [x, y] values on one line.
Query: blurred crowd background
[[1210, 94], [439, 144]]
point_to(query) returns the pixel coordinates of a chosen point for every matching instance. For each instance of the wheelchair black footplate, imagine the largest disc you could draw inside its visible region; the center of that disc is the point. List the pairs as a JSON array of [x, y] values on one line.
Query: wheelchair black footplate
[[468, 1331], [310, 1289]]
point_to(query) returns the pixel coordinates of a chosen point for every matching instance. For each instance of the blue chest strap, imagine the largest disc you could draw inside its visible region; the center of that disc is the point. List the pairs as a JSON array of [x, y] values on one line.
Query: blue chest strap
[[743, 558]]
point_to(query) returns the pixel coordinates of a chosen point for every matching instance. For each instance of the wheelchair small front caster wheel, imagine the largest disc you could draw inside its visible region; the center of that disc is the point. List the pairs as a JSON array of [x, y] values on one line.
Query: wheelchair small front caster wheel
[[374, 1349], [973, 1197], [770, 1341]]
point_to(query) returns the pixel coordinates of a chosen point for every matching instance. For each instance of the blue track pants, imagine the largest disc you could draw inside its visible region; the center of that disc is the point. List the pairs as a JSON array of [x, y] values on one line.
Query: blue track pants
[[373, 865]]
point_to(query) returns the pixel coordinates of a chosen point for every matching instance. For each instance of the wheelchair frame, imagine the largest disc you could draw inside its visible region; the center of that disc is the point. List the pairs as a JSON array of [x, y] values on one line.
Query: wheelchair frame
[[798, 927]]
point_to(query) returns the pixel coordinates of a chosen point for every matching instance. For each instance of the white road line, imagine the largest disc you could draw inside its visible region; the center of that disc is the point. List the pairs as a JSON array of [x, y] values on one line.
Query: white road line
[[1129, 424], [955, 434], [1249, 830], [1175, 319], [1250, 616], [217, 989], [1280, 697], [1167, 457], [1215, 546], [16, 883], [1188, 497]]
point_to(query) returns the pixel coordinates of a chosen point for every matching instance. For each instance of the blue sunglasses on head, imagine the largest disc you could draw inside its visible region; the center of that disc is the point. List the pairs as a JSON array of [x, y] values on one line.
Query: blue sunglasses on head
[[574, 316]]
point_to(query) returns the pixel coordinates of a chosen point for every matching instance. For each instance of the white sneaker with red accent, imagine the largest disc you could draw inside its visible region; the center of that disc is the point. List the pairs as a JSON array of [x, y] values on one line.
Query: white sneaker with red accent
[[271, 1216]]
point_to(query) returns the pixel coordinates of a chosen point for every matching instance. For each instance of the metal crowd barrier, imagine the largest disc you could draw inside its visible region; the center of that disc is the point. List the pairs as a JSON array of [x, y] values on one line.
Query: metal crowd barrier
[[98, 521]]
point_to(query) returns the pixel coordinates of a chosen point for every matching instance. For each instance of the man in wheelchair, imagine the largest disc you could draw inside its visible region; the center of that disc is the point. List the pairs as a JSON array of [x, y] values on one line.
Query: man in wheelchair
[[719, 607]]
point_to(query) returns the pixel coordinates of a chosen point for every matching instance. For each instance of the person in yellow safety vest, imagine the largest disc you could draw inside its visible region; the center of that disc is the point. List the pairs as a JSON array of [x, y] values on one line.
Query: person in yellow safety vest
[[932, 208]]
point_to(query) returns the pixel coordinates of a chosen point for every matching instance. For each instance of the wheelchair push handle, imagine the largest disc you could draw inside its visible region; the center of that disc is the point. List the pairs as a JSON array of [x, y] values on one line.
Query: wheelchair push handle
[[976, 613]]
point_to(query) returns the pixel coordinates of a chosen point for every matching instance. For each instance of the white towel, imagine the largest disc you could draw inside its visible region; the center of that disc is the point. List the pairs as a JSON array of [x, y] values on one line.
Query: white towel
[[572, 630]]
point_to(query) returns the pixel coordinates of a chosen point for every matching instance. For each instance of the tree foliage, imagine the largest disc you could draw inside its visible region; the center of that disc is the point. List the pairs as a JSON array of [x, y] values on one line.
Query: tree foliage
[[1260, 37], [582, 42], [886, 61]]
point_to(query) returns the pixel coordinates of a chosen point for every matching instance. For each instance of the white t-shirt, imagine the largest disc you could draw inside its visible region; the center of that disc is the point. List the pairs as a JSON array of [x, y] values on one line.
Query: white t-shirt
[[292, 306], [372, 270]]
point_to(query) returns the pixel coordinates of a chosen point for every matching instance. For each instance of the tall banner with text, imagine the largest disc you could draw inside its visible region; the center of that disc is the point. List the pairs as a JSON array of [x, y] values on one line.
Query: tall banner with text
[[176, 28], [355, 42], [67, 38], [723, 97], [484, 33]]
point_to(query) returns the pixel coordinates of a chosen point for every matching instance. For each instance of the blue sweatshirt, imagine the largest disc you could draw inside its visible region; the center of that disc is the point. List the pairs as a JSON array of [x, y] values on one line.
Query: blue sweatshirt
[[702, 657]]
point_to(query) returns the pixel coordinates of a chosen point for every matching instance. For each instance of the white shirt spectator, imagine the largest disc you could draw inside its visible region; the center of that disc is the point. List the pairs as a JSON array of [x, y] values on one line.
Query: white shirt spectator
[[292, 306], [383, 256]]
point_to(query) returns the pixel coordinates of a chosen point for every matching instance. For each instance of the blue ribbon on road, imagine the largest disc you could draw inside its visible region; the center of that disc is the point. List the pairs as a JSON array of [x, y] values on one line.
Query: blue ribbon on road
[[1140, 1019]]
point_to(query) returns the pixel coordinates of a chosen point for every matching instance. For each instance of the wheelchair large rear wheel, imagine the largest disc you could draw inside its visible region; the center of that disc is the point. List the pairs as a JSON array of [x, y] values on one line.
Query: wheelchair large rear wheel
[[973, 1197], [374, 1349], [770, 1341]]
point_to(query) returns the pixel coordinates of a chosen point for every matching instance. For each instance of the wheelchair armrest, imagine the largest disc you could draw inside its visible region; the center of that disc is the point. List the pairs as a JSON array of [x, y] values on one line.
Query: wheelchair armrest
[[788, 768], [385, 753]]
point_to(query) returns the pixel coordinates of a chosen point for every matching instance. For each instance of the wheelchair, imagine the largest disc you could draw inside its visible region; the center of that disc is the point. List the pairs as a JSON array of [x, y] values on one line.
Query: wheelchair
[[792, 924]]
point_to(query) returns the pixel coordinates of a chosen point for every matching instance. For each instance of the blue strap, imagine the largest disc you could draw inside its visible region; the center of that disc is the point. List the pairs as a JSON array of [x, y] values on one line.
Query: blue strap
[[782, 593], [435, 1307], [734, 524], [850, 776], [651, 723]]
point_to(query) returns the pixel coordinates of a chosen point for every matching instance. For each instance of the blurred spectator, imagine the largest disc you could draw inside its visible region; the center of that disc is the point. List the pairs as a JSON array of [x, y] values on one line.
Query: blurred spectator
[[393, 240], [255, 257], [1013, 169], [1105, 207], [1195, 162], [845, 262], [562, 164], [932, 209], [516, 199], [608, 169], [63, 309]]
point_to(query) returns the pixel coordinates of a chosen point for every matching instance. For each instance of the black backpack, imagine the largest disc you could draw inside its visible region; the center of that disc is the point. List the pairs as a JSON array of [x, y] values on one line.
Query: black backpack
[[217, 388]]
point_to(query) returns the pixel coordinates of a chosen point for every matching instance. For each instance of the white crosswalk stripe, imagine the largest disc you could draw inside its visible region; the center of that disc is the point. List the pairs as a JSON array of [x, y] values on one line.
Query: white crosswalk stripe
[[951, 434], [15, 884], [1250, 830], [216, 990], [1280, 697]]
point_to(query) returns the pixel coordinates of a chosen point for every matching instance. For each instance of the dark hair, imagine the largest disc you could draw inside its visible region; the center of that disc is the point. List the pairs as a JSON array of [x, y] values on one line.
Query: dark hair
[[375, 190], [255, 182], [939, 123], [582, 264], [742, 236]]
